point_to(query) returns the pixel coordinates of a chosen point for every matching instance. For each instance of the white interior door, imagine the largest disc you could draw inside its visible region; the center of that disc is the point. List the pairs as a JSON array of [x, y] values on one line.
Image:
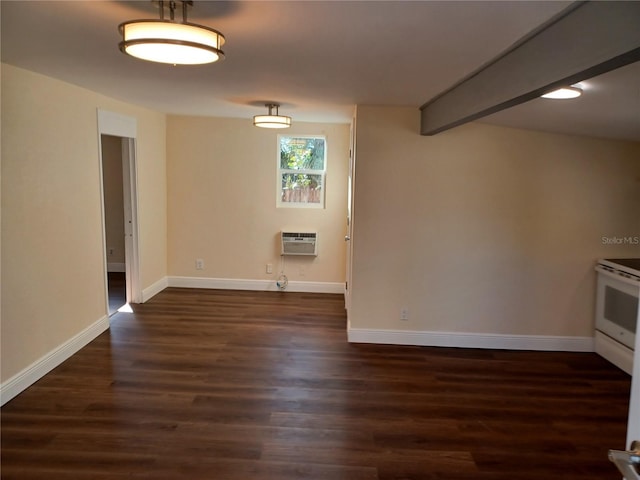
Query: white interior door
[[129, 176], [349, 233]]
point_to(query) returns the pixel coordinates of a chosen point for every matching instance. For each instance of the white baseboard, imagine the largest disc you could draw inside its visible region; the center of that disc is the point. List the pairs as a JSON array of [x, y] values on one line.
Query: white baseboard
[[116, 267], [154, 289], [44, 365], [472, 340], [259, 285]]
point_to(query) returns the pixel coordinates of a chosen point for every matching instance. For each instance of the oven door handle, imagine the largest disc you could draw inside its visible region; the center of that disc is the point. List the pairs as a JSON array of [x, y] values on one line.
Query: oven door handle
[[629, 280]]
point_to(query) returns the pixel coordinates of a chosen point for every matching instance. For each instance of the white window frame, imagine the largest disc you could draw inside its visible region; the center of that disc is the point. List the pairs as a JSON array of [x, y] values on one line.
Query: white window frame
[[282, 171]]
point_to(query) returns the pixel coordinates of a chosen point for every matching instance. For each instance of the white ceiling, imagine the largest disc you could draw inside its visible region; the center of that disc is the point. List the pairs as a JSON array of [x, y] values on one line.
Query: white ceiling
[[317, 58]]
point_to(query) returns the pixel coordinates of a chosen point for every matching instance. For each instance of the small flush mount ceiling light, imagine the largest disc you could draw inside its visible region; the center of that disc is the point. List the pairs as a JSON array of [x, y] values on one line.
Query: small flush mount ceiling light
[[272, 120], [171, 41], [564, 93]]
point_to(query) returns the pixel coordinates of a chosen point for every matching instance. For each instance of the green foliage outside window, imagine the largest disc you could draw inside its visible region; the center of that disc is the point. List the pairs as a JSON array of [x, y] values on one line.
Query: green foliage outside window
[[302, 153]]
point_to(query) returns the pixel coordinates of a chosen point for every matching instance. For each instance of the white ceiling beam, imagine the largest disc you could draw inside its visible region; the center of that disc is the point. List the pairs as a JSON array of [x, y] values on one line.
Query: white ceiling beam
[[586, 40]]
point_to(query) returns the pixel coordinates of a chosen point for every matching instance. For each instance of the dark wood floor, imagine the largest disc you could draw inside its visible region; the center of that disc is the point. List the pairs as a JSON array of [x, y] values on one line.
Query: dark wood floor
[[201, 384]]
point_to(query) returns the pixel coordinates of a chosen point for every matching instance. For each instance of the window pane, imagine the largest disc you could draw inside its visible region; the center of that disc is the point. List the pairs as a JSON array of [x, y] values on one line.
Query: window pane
[[301, 188], [298, 153]]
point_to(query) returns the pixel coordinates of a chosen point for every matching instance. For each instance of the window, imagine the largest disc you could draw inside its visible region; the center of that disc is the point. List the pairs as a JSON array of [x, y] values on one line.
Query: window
[[302, 166]]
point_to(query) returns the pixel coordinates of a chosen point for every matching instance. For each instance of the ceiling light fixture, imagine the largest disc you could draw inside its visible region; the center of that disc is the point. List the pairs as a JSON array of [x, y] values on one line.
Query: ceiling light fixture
[[564, 93], [170, 41], [272, 120]]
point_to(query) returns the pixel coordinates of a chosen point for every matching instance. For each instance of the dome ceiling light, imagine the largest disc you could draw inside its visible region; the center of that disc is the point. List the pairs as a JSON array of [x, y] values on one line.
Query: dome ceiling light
[[272, 120], [171, 41]]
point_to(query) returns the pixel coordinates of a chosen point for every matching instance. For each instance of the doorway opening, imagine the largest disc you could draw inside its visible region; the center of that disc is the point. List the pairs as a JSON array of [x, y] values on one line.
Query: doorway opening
[[117, 147], [114, 221]]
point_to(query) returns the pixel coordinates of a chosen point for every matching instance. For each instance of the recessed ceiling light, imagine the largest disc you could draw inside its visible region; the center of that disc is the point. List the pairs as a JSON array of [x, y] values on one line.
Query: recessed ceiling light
[[564, 93]]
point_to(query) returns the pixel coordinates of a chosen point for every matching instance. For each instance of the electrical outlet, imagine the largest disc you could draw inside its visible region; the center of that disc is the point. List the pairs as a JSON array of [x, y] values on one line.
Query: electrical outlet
[[111, 251], [269, 268], [404, 314], [199, 264]]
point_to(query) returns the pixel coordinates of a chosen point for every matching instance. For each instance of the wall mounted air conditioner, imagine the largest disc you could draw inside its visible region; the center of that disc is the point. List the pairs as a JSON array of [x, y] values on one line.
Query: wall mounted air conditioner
[[298, 243]]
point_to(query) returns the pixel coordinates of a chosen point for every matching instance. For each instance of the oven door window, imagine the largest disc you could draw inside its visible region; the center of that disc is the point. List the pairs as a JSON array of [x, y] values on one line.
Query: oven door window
[[617, 307], [621, 308]]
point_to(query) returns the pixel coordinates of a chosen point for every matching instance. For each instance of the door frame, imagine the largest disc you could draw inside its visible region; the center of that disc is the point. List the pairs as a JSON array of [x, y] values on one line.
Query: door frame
[[111, 123], [633, 422]]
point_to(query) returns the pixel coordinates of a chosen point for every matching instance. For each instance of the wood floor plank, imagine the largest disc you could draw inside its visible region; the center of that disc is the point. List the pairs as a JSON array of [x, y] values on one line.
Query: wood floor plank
[[201, 384]]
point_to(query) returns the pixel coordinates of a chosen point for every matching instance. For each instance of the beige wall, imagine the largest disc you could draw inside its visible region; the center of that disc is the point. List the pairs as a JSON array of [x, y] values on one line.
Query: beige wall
[[485, 229], [53, 281], [113, 198], [479, 229], [222, 201]]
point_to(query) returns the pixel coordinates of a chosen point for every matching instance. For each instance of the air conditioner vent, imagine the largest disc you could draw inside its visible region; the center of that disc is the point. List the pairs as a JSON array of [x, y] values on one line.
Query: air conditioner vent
[[299, 243]]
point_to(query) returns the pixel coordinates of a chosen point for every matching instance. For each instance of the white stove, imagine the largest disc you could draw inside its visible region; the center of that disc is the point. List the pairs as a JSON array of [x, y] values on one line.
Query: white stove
[[617, 310]]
